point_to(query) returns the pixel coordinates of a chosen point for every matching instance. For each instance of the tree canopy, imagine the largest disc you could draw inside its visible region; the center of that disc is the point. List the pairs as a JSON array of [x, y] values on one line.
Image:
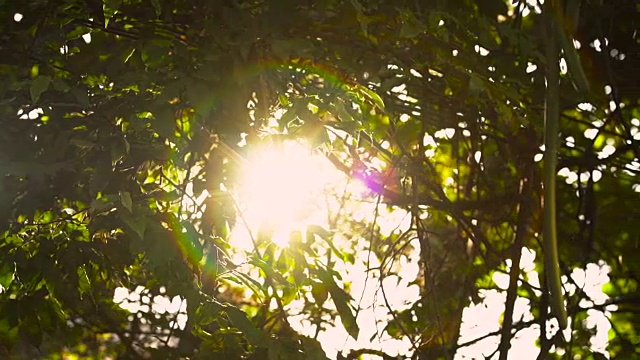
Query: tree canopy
[[125, 123]]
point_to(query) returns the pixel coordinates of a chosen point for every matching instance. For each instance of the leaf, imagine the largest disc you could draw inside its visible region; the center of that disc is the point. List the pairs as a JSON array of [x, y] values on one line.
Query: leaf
[[289, 293], [287, 118], [6, 276], [314, 132], [164, 122], [84, 283], [109, 9], [410, 30], [320, 231], [207, 313], [35, 71], [190, 244], [39, 85], [320, 292], [372, 96], [252, 284], [312, 349], [476, 84], [125, 200], [199, 96], [342, 112], [270, 271], [361, 17], [120, 148], [60, 85], [325, 235], [411, 27], [240, 320], [82, 95], [101, 204], [341, 300], [137, 223]]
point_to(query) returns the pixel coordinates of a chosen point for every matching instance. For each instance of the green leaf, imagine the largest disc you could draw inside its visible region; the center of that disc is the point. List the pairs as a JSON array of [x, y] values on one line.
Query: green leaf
[[137, 223], [125, 199], [320, 231], [411, 27], [120, 148], [312, 349], [110, 8], [164, 122], [241, 278], [320, 292], [60, 85], [39, 85], [289, 293], [287, 118], [314, 132], [84, 283], [6, 276], [341, 300], [191, 244], [200, 97], [342, 113], [372, 96], [325, 235], [269, 271], [35, 71], [207, 313], [82, 96], [361, 17], [240, 320], [101, 204]]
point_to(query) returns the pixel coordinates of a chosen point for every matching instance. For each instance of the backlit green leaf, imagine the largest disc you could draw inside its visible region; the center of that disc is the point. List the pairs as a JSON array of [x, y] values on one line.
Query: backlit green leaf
[[240, 320], [372, 96]]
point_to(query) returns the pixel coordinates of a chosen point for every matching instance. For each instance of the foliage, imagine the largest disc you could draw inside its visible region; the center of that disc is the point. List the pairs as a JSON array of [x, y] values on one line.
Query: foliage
[[118, 116]]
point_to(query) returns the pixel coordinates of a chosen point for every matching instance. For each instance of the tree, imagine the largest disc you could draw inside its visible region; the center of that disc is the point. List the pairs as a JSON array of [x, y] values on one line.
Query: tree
[[117, 116]]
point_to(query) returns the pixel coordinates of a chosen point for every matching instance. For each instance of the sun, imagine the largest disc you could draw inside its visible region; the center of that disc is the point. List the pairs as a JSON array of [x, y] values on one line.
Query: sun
[[281, 188]]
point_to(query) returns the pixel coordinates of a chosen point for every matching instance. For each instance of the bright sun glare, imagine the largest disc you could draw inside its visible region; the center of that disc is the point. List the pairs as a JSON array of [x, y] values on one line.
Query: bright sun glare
[[281, 189]]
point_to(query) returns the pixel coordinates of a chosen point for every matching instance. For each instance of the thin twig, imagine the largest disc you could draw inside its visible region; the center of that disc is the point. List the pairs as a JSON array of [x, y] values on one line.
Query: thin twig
[[524, 215]]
